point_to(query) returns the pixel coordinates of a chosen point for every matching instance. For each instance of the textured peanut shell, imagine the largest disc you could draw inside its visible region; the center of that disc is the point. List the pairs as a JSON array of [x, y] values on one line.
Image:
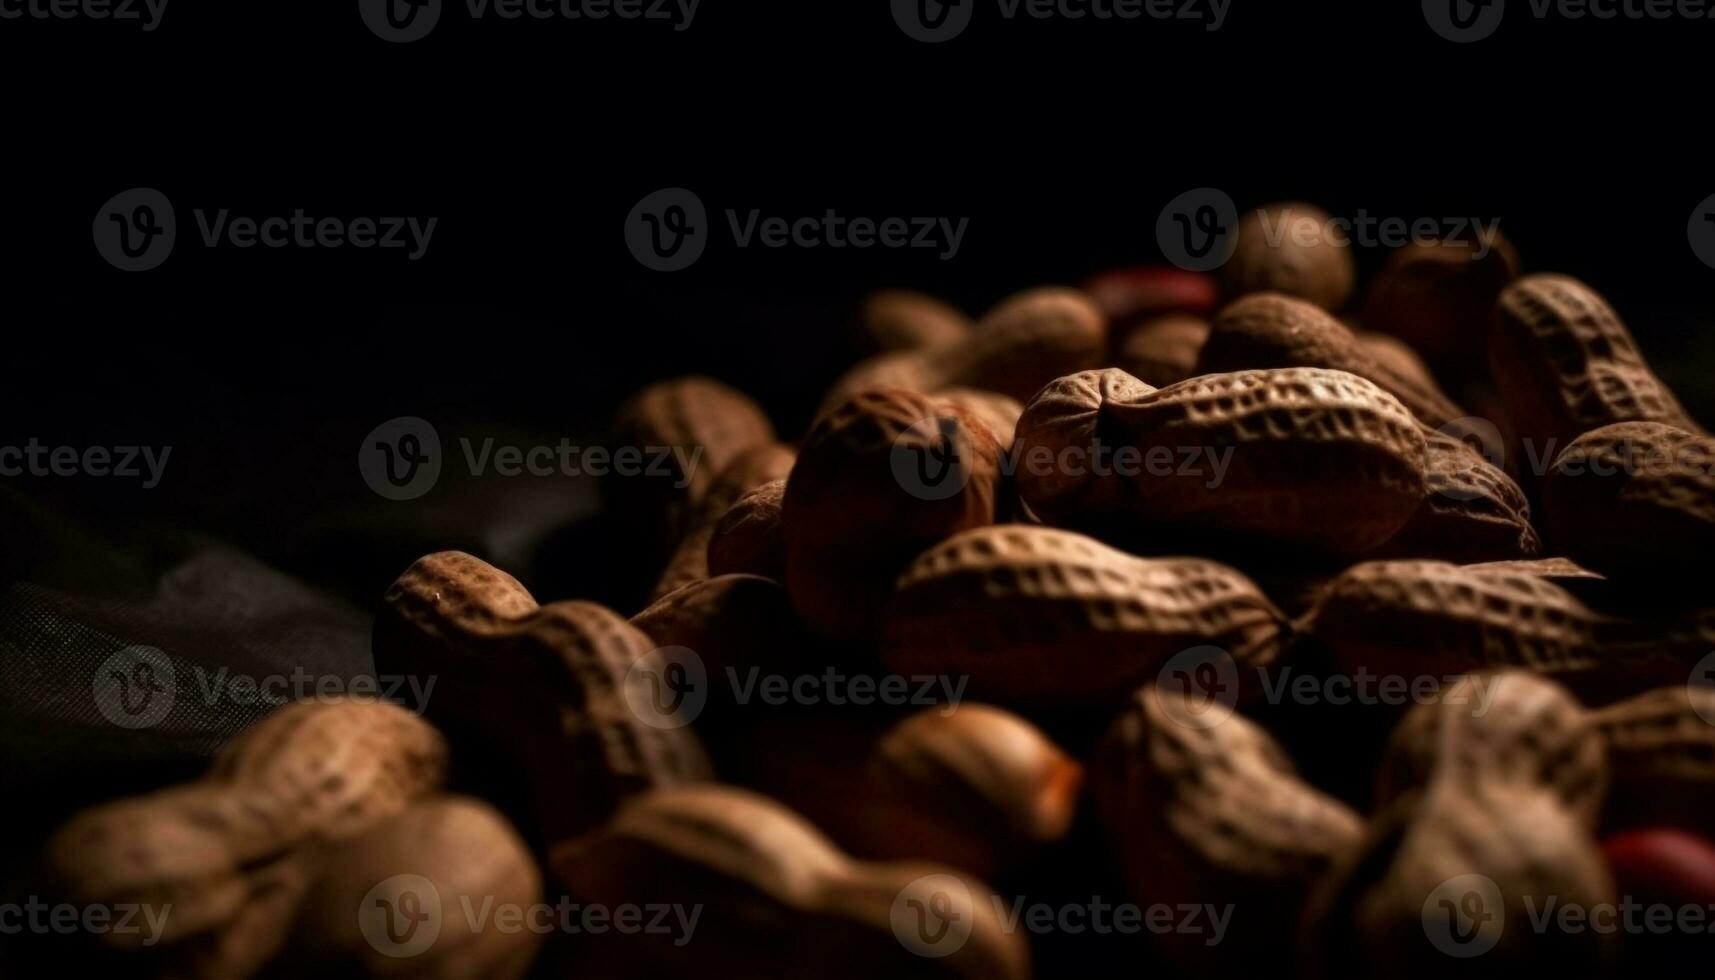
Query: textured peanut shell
[[750, 538], [1510, 727], [1271, 330], [1215, 814], [232, 854], [752, 468], [1284, 248], [1163, 351], [474, 863], [1662, 744], [1319, 458], [1633, 499], [1473, 511], [1372, 916], [777, 898], [1566, 364], [1428, 618], [544, 687], [1438, 296], [1038, 616], [900, 319], [852, 525]]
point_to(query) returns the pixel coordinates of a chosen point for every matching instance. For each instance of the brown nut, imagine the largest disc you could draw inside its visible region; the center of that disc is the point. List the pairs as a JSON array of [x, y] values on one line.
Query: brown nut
[[428, 893], [1634, 499], [1207, 809], [546, 691], [1662, 745], [1438, 296], [1163, 351], [230, 856], [1037, 616], [1300, 456], [1271, 330], [750, 538], [1286, 248], [900, 319], [996, 411], [752, 468], [777, 899], [1566, 364], [881, 476], [1397, 356], [1472, 512]]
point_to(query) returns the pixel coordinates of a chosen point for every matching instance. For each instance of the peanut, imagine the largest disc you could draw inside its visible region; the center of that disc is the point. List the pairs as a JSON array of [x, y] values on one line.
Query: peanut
[[1661, 867], [900, 319], [776, 898], [750, 538], [1635, 498], [1036, 616], [751, 468], [1210, 811], [1163, 351], [1662, 745], [861, 501], [1472, 512], [996, 411], [231, 855], [1026, 341], [1397, 356], [441, 869], [1438, 296], [1271, 330], [542, 688], [1316, 458], [1285, 248], [1567, 364], [707, 424]]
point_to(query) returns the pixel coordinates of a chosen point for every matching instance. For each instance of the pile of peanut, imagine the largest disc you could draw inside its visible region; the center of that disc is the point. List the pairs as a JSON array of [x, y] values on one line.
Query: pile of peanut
[[1120, 639]]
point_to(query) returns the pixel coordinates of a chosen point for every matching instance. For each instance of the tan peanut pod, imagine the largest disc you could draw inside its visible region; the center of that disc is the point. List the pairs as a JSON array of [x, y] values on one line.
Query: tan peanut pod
[[1271, 330], [1472, 512], [1454, 884], [428, 893], [1300, 456], [1435, 619], [968, 785], [1634, 499], [1038, 616], [1026, 341], [777, 899], [228, 856], [1562, 570], [750, 538], [1206, 809], [1285, 248], [1662, 746], [1163, 351], [901, 319], [546, 689], [996, 411], [706, 424], [1438, 296], [1397, 356], [1510, 727], [881, 476], [1566, 364], [752, 468]]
